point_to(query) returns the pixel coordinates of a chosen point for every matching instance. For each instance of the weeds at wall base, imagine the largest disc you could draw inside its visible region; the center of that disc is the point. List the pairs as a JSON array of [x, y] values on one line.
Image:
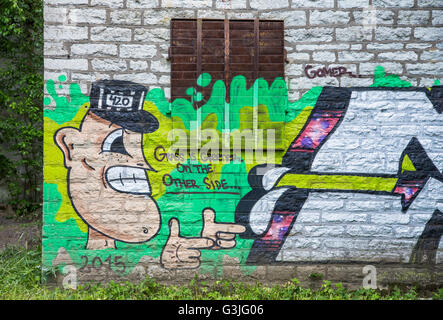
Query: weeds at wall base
[[20, 279]]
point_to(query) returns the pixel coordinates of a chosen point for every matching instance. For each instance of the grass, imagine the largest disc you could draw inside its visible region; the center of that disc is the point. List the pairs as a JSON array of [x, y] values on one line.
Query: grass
[[20, 279]]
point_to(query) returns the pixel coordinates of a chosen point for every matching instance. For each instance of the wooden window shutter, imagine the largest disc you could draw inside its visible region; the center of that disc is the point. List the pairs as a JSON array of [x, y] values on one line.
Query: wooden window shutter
[[225, 49], [183, 55], [266, 38]]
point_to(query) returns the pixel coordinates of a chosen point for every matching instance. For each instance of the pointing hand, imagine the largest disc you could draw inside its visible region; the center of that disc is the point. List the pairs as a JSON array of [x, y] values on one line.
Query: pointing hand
[[223, 234], [181, 252]]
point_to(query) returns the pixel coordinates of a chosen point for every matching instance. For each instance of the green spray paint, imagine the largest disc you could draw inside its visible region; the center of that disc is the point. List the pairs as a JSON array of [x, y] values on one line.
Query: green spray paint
[[309, 99], [157, 96], [187, 206], [52, 198], [382, 80], [274, 97], [65, 109]]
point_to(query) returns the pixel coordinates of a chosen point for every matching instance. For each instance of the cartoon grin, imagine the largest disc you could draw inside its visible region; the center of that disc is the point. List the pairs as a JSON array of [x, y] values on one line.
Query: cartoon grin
[[124, 179], [128, 180]]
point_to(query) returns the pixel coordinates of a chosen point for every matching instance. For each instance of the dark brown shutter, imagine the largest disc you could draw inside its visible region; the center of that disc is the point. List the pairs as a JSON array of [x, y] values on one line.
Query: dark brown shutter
[[183, 55], [271, 61], [242, 57], [224, 49], [213, 54]]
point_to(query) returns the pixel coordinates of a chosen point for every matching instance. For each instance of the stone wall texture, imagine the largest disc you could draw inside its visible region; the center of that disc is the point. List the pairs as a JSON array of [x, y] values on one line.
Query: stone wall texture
[[358, 181]]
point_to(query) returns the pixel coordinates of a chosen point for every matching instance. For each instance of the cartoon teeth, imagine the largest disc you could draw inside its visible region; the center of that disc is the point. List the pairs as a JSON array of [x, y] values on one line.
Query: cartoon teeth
[[128, 180]]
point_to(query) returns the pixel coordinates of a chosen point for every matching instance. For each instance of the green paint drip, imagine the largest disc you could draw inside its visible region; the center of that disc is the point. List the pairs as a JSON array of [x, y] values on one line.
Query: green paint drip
[[157, 96], [52, 201], [274, 97], [204, 80], [65, 109], [382, 80], [190, 91], [52, 198], [309, 99]]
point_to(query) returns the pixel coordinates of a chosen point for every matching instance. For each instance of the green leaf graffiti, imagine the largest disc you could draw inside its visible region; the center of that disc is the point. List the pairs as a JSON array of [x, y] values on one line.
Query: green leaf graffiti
[[382, 80], [65, 109]]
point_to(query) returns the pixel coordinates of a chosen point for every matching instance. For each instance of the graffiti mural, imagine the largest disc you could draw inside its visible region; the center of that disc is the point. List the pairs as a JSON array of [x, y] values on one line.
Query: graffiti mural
[[131, 177], [281, 193]]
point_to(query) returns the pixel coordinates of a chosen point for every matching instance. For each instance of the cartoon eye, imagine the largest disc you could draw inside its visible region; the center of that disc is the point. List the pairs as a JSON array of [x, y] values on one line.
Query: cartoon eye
[[114, 142]]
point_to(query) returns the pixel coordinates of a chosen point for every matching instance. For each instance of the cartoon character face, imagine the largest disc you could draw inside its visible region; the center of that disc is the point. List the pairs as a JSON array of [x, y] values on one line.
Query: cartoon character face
[[108, 179]]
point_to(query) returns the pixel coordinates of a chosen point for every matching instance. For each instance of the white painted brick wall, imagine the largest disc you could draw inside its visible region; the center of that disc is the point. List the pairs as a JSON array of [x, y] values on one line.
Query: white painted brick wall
[[393, 3], [437, 17], [65, 33], [429, 34], [138, 51], [89, 16], [108, 3], [233, 4], [269, 4], [98, 49], [413, 17], [111, 34], [126, 17], [188, 4], [394, 34], [55, 14], [353, 3], [312, 4], [142, 4]]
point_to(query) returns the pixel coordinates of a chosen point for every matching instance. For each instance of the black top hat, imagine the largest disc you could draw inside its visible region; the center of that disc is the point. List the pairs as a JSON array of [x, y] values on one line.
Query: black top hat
[[121, 102]]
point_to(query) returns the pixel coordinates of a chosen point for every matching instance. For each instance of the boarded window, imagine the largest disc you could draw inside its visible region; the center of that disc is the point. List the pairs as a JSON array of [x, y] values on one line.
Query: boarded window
[[225, 49]]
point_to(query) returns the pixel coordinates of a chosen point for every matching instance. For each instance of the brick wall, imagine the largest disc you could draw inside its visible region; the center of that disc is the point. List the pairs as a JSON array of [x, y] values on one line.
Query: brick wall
[[377, 142], [89, 40]]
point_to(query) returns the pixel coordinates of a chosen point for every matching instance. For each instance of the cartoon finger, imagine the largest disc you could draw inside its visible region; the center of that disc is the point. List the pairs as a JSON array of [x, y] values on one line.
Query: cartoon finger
[[226, 244], [199, 243], [188, 255], [174, 228], [208, 216], [193, 254], [230, 228], [190, 264], [225, 236], [209, 222]]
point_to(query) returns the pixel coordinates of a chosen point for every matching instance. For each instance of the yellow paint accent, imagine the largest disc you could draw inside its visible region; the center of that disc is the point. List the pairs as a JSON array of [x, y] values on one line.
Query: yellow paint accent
[[54, 169], [338, 182], [291, 130], [407, 164], [150, 142]]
